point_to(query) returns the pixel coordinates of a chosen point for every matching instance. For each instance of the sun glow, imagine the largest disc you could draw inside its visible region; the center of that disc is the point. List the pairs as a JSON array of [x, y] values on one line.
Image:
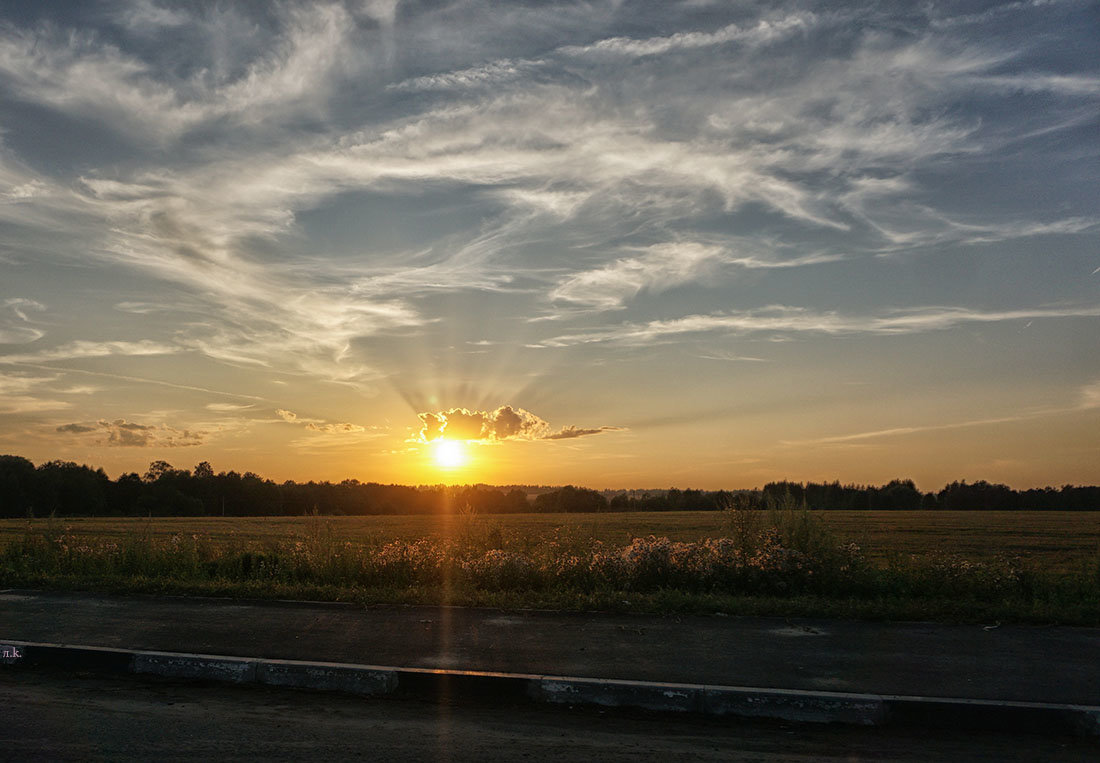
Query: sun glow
[[449, 454]]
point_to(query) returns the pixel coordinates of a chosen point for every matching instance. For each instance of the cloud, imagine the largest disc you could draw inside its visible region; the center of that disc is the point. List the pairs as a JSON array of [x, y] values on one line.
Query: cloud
[[1090, 395], [15, 326], [81, 389], [89, 349], [662, 267], [764, 31], [468, 425], [504, 423], [228, 407], [290, 318], [733, 357], [432, 426], [491, 73], [319, 425], [900, 431], [125, 377], [570, 432], [783, 319], [147, 16], [17, 404], [128, 434], [75, 428], [1052, 83], [81, 73], [665, 266], [196, 226], [140, 308], [340, 428], [18, 384], [17, 394], [502, 70]]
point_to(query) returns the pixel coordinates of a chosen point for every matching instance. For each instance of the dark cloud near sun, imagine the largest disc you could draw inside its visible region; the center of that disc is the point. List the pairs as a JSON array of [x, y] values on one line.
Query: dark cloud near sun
[[128, 434], [504, 423], [570, 432], [431, 426], [75, 428]]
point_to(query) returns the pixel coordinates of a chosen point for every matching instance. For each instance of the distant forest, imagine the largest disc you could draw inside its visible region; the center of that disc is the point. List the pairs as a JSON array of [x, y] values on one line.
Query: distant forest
[[63, 488]]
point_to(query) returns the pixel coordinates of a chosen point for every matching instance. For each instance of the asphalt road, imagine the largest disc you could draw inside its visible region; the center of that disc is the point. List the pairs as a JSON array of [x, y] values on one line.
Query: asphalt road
[[63, 716], [1022, 663]]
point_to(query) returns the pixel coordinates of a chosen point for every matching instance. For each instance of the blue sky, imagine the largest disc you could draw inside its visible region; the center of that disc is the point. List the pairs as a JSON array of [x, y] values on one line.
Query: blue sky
[[633, 244]]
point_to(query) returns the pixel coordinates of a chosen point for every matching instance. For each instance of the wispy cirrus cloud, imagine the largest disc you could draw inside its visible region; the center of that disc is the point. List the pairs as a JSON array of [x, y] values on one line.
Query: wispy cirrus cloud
[[571, 432], [81, 72], [858, 437], [1088, 398], [28, 394], [489, 73], [762, 32], [664, 266], [15, 326], [149, 16], [661, 267], [82, 348], [783, 319]]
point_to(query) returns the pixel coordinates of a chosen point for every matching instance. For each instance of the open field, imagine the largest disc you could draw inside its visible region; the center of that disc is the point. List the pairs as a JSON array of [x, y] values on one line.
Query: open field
[[1052, 540], [961, 566]]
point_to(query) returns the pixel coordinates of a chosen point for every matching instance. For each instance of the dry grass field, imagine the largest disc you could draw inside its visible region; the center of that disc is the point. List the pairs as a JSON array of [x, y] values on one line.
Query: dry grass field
[[949, 566], [1057, 541]]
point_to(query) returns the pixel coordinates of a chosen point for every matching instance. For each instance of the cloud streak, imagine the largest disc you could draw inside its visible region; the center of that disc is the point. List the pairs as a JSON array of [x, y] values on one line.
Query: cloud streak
[[89, 349], [782, 319], [15, 326], [764, 31]]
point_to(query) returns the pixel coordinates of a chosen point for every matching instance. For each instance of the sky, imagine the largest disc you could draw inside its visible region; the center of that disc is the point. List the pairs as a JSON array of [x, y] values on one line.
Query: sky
[[613, 244]]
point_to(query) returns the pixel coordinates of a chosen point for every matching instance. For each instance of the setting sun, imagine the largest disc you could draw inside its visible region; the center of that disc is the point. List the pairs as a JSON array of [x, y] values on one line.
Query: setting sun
[[449, 454]]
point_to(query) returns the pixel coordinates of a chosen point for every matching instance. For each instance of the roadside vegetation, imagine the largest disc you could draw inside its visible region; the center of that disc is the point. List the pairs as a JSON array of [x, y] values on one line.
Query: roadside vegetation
[[781, 560]]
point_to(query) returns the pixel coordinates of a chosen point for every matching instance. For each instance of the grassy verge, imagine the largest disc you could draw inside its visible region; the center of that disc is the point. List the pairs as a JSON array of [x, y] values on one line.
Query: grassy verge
[[783, 562]]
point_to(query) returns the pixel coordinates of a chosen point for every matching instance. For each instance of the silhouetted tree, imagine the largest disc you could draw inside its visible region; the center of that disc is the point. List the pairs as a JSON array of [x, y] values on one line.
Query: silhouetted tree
[[17, 486], [71, 489]]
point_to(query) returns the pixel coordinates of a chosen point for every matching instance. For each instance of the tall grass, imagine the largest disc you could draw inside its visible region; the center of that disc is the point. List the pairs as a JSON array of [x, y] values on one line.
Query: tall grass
[[783, 555]]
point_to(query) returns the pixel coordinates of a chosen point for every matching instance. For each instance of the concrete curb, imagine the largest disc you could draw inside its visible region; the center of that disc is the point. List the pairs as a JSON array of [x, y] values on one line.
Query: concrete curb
[[450, 685]]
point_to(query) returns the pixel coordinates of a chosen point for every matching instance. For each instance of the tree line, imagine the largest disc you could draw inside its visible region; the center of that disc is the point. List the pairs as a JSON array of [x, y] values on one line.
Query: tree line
[[64, 488]]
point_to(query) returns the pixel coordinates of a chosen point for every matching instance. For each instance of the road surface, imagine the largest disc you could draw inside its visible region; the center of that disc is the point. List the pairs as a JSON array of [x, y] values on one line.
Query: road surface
[[65, 716], [1021, 663]]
